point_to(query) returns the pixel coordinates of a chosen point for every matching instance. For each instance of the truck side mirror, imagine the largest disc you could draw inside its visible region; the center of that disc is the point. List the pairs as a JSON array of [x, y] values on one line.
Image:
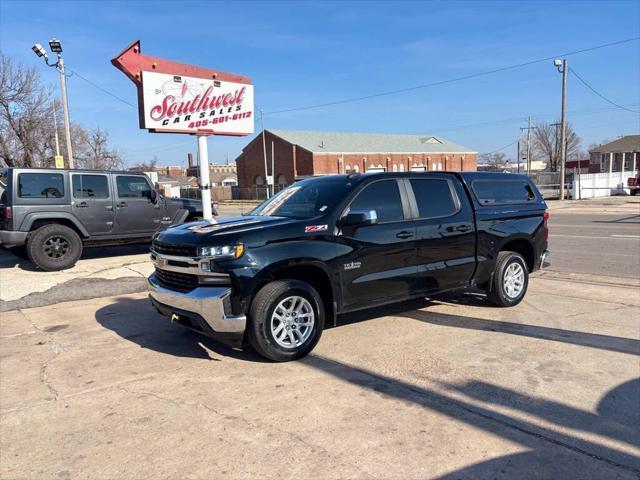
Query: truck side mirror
[[359, 218]]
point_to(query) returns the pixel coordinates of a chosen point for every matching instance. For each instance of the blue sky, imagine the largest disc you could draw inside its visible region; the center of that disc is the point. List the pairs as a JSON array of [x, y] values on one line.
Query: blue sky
[[305, 53]]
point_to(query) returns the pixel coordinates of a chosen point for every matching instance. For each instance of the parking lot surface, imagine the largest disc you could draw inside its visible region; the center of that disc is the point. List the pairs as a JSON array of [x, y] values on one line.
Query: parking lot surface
[[446, 388]]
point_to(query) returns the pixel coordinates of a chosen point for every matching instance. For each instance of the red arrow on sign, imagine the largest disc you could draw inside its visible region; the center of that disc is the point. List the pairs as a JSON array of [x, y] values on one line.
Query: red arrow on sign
[[132, 62]]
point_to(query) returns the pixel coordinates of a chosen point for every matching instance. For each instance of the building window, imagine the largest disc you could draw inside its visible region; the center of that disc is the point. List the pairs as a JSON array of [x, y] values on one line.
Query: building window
[[402, 167], [395, 167], [259, 180], [347, 169], [356, 169]]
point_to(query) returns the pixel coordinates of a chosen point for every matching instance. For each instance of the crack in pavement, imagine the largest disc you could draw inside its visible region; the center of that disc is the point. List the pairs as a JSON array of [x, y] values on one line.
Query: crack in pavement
[[183, 403]]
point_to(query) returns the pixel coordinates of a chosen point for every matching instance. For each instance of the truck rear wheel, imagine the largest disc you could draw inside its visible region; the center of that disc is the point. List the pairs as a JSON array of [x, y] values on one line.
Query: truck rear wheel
[[286, 320], [54, 247], [510, 280]]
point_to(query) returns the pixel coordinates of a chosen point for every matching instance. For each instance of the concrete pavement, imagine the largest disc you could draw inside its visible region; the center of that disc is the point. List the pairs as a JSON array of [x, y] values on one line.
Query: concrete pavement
[[106, 388]]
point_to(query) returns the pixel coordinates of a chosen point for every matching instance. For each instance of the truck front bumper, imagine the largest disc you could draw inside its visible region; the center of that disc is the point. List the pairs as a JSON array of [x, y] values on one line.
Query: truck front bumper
[[204, 309], [11, 238]]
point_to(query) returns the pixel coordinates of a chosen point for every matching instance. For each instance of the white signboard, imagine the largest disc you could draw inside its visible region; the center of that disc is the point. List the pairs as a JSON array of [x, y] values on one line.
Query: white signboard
[[176, 103]]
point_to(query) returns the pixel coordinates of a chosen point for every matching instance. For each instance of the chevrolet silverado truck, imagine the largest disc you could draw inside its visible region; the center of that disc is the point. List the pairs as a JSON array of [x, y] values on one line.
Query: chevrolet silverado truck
[[49, 215], [329, 245]]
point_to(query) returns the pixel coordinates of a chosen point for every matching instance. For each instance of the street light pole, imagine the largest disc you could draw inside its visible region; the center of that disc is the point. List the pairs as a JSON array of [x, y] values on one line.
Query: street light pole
[[562, 68], [56, 47], [65, 109]]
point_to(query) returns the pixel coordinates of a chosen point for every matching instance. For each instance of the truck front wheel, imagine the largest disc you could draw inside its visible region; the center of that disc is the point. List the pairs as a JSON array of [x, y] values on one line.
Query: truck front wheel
[[510, 280], [286, 320], [54, 247]]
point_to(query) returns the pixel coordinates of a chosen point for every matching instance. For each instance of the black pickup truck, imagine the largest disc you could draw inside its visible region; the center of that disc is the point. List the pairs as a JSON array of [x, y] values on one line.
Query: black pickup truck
[[334, 244]]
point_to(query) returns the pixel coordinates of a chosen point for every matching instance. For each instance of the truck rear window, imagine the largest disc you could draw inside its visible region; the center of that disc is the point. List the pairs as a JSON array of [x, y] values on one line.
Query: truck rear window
[[40, 185], [491, 192]]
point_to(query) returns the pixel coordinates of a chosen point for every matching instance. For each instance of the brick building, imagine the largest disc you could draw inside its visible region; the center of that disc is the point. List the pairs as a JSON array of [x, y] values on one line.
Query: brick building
[[301, 154]]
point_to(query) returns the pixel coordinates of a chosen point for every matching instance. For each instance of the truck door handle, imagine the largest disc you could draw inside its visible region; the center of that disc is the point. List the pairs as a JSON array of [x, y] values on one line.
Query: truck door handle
[[404, 234], [82, 205], [109, 207], [463, 228], [121, 205]]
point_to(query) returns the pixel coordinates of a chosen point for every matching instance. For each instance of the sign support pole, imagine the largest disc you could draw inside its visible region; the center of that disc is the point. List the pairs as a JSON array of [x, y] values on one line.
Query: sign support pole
[[205, 187]]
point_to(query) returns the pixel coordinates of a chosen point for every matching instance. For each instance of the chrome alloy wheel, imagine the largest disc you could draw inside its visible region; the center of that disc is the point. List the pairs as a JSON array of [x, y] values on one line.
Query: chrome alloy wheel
[[292, 322], [513, 280]]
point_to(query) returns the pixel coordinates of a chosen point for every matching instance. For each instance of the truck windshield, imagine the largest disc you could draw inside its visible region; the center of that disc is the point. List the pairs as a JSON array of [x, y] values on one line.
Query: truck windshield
[[305, 199]]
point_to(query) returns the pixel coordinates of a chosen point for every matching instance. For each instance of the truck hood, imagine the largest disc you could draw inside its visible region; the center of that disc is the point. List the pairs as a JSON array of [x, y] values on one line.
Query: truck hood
[[224, 231]]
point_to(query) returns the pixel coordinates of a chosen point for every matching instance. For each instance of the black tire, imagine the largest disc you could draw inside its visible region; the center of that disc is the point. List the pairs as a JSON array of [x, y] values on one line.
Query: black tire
[[42, 243], [260, 319], [20, 252], [497, 294]]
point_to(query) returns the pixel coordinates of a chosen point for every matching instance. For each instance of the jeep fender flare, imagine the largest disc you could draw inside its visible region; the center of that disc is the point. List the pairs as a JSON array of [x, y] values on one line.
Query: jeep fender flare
[[30, 218]]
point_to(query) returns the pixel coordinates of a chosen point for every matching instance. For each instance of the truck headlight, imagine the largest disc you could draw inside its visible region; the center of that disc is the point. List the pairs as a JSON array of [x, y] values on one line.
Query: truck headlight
[[223, 252]]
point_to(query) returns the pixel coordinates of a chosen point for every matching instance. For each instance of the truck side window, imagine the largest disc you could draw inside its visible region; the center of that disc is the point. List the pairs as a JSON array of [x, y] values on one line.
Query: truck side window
[[40, 185], [384, 198], [433, 197], [491, 192], [90, 186], [132, 187]]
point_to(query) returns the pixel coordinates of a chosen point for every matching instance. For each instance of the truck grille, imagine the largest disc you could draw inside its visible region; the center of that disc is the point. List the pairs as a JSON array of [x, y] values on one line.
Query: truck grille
[[176, 250], [181, 282]]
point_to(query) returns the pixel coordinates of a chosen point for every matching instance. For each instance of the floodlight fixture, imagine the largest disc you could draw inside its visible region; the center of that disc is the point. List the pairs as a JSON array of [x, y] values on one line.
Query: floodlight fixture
[[55, 46], [39, 50]]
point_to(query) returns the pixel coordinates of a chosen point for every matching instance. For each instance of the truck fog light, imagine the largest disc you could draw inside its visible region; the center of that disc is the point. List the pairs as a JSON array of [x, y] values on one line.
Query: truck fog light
[[205, 267]]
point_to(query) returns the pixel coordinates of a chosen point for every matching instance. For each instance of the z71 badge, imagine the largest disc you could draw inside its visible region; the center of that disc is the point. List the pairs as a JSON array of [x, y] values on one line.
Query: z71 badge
[[352, 265], [315, 228]]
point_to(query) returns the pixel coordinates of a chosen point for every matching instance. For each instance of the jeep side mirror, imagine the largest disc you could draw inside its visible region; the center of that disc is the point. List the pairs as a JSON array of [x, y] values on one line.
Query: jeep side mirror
[[359, 218]]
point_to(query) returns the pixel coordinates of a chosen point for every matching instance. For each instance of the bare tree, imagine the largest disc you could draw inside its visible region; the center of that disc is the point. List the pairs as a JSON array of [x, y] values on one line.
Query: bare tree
[[93, 151], [27, 128], [25, 113], [496, 162], [546, 144], [149, 166]]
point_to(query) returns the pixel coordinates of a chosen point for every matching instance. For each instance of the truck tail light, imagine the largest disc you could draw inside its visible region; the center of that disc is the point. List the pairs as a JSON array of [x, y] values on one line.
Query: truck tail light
[[8, 213], [546, 224]]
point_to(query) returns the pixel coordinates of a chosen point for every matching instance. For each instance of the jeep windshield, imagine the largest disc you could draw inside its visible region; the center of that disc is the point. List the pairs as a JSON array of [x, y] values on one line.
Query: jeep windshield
[[305, 199]]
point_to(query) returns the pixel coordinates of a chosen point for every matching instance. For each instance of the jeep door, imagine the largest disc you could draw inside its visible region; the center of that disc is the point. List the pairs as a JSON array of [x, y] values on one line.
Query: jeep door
[[379, 261], [92, 202], [136, 210], [445, 232]]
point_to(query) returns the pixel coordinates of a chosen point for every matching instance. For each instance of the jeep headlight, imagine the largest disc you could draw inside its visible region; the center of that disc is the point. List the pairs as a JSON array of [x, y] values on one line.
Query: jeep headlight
[[223, 252]]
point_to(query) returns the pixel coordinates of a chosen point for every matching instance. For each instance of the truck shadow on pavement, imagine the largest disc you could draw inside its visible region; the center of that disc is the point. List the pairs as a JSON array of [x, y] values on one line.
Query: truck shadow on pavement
[[553, 451], [137, 321]]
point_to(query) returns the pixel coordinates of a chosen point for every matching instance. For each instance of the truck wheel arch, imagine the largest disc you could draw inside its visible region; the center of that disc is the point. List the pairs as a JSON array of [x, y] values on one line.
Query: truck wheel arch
[[314, 274], [34, 221], [522, 246]]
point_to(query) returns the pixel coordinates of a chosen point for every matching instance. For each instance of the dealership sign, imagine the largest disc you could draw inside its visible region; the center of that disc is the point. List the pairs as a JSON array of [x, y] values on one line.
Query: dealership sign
[[175, 97], [188, 104]]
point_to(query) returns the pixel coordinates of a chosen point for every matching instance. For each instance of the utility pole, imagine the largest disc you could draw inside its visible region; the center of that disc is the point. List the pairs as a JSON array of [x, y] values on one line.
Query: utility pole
[[557, 144], [528, 129], [561, 65], [56, 47], [65, 109], [518, 156], [264, 149]]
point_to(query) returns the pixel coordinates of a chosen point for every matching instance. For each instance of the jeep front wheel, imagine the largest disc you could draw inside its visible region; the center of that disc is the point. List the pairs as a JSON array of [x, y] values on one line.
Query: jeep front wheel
[[54, 247], [286, 320]]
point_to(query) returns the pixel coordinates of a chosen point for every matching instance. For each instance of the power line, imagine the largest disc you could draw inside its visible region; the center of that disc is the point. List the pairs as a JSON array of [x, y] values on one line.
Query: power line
[[584, 82], [452, 80], [104, 90], [501, 148]]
